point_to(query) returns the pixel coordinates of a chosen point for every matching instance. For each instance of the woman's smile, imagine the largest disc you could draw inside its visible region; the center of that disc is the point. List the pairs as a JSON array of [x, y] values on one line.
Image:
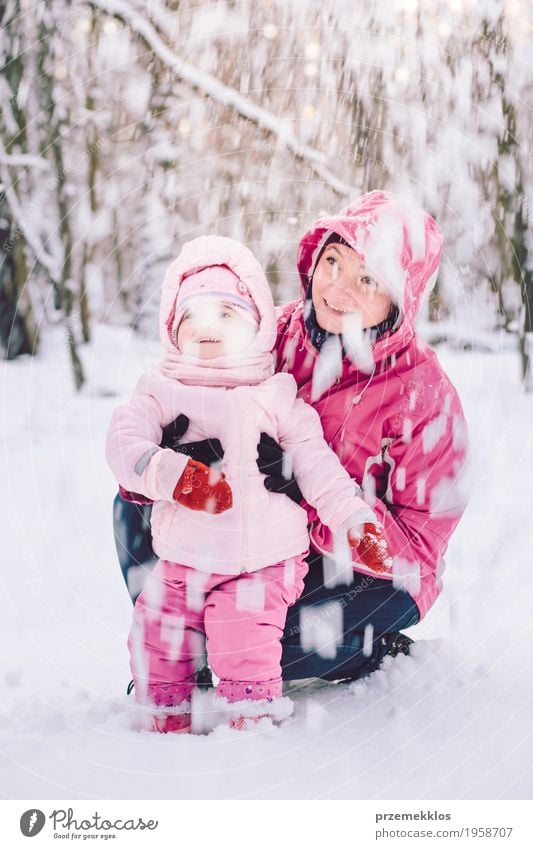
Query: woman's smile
[[335, 308]]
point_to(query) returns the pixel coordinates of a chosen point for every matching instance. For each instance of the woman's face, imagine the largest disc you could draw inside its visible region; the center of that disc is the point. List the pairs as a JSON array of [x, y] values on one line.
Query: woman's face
[[342, 286]]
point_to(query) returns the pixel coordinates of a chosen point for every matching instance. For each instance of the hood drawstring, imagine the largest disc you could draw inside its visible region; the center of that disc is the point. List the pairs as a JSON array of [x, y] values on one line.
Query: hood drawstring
[[355, 400]]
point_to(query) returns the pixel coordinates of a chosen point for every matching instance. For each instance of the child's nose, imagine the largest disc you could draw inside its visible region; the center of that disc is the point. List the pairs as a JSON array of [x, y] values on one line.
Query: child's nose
[[208, 325]]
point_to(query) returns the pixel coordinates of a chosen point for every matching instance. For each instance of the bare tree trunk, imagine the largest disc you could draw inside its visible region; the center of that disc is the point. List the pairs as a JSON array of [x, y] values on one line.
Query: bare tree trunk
[[52, 140], [506, 195], [92, 170], [524, 274], [18, 330]]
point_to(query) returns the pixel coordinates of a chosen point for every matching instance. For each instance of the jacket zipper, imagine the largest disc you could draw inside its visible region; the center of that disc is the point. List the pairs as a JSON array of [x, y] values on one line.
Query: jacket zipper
[[244, 532]]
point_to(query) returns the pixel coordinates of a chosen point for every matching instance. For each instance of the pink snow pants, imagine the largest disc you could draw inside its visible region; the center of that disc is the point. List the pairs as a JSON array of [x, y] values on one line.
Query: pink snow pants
[[242, 616]]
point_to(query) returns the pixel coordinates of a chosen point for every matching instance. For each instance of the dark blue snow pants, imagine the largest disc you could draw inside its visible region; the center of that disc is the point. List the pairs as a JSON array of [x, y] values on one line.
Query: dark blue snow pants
[[340, 614]]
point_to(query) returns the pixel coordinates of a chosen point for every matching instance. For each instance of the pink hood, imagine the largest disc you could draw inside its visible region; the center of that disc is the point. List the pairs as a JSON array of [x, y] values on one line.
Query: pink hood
[[414, 247], [257, 362]]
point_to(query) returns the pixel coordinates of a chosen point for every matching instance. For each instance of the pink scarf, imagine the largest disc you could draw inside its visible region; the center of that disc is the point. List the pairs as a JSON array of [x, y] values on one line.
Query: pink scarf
[[243, 369]]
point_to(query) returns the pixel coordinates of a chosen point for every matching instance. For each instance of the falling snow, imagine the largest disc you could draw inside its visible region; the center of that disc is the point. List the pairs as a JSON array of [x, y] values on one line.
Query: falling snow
[[406, 574], [67, 726], [433, 432], [368, 640], [328, 367], [357, 344], [321, 628], [251, 594]]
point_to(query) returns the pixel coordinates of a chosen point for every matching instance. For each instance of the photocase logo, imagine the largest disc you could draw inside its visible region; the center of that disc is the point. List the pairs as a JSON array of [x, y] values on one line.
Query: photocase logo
[[32, 822]]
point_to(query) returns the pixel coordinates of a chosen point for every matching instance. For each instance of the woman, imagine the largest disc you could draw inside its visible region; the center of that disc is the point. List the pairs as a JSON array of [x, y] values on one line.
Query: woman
[[389, 412]]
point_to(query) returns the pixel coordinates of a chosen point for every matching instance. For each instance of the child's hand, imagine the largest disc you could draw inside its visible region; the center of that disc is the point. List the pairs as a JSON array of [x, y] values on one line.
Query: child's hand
[[201, 488], [371, 547]]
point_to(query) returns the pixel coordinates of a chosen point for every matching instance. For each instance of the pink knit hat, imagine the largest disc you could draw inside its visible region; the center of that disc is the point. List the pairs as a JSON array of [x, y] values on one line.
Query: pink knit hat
[[219, 281]]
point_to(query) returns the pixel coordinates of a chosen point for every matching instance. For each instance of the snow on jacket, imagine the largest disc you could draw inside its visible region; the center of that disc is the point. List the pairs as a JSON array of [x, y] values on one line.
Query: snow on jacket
[[261, 528], [399, 431]]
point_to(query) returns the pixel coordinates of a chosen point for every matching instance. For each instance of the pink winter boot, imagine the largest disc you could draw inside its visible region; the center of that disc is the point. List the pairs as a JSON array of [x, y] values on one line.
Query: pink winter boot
[[176, 723], [244, 723], [244, 704]]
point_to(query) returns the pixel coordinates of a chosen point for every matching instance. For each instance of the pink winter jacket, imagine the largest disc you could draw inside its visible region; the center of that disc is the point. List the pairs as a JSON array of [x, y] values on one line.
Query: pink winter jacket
[[261, 528], [401, 432]]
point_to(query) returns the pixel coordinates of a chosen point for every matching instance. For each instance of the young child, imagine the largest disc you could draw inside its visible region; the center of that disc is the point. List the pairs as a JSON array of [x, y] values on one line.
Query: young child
[[231, 554]]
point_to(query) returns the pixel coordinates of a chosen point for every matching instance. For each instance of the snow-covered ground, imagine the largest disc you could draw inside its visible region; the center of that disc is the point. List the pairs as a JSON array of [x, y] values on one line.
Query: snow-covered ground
[[451, 721]]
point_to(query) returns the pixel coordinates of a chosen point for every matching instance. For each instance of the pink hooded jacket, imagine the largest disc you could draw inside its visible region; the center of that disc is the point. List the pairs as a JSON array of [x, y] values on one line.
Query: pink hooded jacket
[[399, 430], [261, 528]]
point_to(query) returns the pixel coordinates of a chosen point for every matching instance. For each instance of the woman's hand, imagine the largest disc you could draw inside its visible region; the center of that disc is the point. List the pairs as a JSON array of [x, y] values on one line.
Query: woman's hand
[[370, 547], [206, 451], [270, 463]]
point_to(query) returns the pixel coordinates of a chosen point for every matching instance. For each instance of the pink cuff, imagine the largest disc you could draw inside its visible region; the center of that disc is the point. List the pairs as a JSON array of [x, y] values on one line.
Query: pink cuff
[[236, 691], [133, 497], [176, 696], [163, 472]]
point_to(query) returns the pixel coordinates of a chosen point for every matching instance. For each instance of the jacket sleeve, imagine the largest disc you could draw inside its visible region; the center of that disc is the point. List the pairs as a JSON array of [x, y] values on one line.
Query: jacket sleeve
[[324, 482], [133, 449], [426, 495]]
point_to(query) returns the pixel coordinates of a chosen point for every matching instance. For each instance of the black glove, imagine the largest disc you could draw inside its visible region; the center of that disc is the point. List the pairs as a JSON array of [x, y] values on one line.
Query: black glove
[[207, 451], [270, 463]]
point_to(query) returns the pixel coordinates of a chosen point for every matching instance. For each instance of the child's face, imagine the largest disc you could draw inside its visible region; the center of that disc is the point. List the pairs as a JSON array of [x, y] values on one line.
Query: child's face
[[211, 328]]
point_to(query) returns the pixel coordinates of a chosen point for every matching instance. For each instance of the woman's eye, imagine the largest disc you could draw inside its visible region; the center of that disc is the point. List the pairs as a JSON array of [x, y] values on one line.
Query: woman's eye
[[331, 260], [368, 281]]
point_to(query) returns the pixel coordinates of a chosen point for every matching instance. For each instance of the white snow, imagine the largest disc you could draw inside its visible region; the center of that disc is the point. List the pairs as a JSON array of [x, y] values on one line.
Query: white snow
[[32, 236], [321, 628], [367, 640], [386, 265], [251, 594], [407, 430], [338, 569], [172, 631], [433, 432], [420, 485], [328, 367], [356, 344], [209, 85], [195, 590], [400, 478], [450, 721], [406, 574]]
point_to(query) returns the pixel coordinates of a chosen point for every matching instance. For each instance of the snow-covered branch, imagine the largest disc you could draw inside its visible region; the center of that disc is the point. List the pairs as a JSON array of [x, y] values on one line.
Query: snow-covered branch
[[31, 236], [24, 160], [208, 85]]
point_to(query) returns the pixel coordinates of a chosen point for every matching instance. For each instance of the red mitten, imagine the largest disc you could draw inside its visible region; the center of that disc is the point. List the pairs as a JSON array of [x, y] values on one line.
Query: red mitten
[[372, 549], [201, 488]]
